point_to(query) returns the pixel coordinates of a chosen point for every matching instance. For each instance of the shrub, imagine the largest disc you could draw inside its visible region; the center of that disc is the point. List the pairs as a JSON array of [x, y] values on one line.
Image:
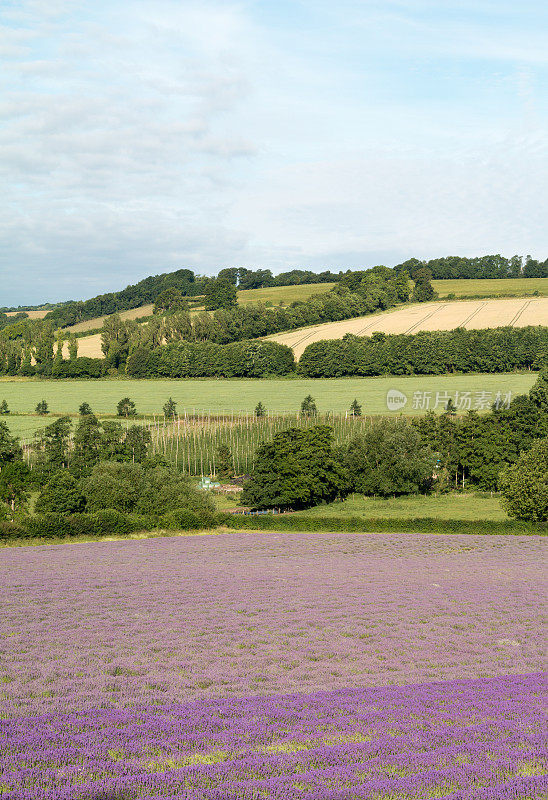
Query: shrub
[[11, 530], [184, 519], [112, 521], [50, 526], [298, 522], [164, 489]]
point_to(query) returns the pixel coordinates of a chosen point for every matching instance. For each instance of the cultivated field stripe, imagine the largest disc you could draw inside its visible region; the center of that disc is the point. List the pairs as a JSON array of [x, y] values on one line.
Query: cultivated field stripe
[[477, 314], [473, 314], [428, 316], [520, 312]]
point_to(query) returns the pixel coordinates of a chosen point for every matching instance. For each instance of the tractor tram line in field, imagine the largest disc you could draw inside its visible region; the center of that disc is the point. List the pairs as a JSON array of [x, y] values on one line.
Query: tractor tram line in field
[[520, 312]]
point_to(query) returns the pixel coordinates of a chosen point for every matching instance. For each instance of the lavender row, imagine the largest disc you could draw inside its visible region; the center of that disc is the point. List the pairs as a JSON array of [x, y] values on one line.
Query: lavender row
[[458, 739]]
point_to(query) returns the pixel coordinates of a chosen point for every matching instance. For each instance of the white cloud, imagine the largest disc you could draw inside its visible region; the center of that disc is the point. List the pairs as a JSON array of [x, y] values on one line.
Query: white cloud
[[137, 137]]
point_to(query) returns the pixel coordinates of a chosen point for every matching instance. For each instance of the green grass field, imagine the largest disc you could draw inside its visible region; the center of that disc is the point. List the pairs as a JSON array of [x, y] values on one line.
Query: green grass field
[[493, 288], [283, 294], [442, 507], [205, 395], [465, 506]]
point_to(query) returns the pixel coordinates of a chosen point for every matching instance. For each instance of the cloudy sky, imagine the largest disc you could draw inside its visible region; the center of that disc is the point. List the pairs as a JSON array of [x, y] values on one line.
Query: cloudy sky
[[141, 136]]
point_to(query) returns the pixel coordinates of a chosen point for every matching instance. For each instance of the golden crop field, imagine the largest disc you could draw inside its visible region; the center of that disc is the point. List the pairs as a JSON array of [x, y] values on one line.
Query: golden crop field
[[89, 346], [38, 313], [436, 316], [97, 322]]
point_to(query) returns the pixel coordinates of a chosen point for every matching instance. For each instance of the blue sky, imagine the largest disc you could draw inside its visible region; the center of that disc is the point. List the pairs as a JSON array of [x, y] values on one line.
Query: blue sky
[[138, 137]]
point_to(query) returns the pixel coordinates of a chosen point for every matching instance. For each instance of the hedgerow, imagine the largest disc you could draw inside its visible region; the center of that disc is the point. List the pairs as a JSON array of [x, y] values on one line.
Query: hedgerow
[[108, 522], [428, 353], [303, 523], [254, 359]]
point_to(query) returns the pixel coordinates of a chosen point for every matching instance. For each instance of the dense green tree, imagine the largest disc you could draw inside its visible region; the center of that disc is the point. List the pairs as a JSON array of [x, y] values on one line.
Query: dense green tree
[[10, 449], [112, 442], [87, 445], [538, 393], [84, 409], [116, 339], [389, 458], [427, 353], [170, 408], [225, 462], [136, 442], [260, 410], [308, 406], [220, 294], [170, 301], [73, 346], [177, 327], [355, 409], [4, 409], [14, 483], [61, 495], [113, 485], [58, 357], [423, 290], [296, 469], [52, 444], [42, 408], [43, 348], [524, 485], [140, 362], [164, 489], [139, 294], [126, 408], [155, 490]]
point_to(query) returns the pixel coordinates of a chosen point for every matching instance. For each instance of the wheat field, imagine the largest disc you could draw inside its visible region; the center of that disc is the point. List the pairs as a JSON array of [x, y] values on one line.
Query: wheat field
[[436, 316]]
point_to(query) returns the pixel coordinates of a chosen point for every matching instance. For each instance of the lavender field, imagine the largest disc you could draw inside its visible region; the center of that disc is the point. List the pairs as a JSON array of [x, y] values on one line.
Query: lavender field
[[460, 739], [245, 666]]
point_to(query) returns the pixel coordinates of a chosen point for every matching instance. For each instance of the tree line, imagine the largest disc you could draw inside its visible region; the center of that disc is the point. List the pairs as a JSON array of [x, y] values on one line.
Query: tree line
[[428, 353], [252, 359], [482, 267], [189, 284]]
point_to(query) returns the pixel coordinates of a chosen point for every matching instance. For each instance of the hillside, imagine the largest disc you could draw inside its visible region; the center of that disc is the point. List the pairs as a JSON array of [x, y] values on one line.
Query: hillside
[[273, 295], [488, 287], [471, 314]]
